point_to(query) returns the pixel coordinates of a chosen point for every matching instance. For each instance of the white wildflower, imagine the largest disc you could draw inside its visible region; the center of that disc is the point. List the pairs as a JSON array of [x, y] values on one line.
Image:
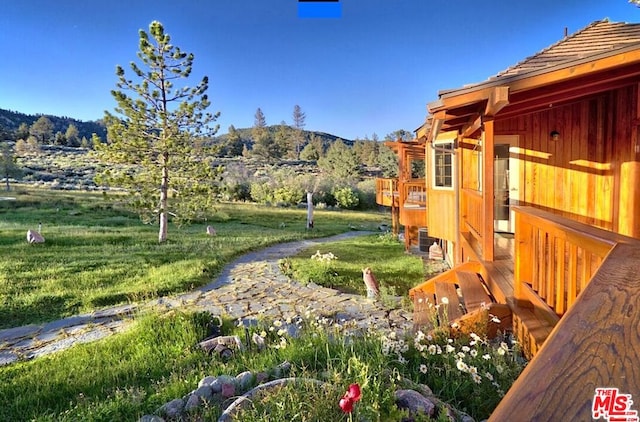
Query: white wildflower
[[461, 355], [462, 367], [486, 356], [488, 376], [465, 349], [501, 351], [476, 378], [445, 300], [277, 323], [432, 349], [474, 353], [423, 368], [450, 349], [281, 332]]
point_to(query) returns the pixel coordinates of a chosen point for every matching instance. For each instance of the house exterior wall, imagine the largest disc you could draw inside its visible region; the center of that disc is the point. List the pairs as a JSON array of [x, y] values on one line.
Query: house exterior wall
[[591, 173]]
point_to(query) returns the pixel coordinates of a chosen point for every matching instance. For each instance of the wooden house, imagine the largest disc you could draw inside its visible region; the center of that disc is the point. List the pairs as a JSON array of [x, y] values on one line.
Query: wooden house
[[533, 183]]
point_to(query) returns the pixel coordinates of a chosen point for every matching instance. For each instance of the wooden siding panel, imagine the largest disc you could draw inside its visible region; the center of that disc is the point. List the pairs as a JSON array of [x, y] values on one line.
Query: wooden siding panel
[[441, 214], [591, 174]]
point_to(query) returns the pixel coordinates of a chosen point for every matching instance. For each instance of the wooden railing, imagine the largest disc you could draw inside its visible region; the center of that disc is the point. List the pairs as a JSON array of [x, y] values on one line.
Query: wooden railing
[[385, 191], [471, 207], [593, 275], [556, 257], [414, 193]]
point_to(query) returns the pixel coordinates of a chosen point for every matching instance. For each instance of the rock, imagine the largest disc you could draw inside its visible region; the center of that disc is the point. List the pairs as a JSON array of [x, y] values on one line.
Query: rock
[[173, 409], [282, 369], [205, 392], [244, 380], [228, 390], [211, 231], [150, 418], [208, 380], [414, 402], [258, 341], [193, 402], [261, 377], [216, 385], [34, 237]]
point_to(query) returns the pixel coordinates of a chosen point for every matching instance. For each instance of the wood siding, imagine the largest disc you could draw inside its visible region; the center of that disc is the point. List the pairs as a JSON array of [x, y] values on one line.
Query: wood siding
[[591, 173], [442, 214]]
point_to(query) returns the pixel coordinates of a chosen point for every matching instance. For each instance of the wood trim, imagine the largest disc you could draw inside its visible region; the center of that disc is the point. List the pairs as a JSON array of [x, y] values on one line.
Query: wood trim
[[498, 99], [487, 192]]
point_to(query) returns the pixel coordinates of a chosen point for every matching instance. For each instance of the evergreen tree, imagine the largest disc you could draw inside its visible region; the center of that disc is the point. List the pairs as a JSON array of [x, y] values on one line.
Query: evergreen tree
[[299, 118], [156, 124], [313, 150], [42, 130], [22, 132], [340, 162], [387, 162], [283, 141], [263, 144], [234, 144], [72, 135], [8, 166]]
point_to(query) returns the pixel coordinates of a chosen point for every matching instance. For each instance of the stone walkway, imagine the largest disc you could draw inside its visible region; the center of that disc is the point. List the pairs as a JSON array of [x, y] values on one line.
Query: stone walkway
[[252, 286]]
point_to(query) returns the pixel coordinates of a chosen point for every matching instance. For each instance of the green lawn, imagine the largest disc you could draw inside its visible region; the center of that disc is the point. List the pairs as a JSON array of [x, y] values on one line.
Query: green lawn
[[97, 254]]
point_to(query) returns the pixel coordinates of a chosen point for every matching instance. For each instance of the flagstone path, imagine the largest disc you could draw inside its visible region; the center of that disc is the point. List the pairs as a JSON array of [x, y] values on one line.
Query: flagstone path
[[252, 286]]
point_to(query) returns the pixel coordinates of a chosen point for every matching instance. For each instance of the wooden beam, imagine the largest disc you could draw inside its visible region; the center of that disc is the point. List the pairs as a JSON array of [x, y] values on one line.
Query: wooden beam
[[498, 99], [487, 191], [471, 127], [436, 125]]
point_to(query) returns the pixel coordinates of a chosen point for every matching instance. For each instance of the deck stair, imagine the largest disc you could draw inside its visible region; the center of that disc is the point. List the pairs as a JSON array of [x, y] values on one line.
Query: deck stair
[[460, 299]]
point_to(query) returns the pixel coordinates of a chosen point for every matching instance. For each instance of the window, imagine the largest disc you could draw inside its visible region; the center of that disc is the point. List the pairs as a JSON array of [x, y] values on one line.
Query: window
[[443, 165]]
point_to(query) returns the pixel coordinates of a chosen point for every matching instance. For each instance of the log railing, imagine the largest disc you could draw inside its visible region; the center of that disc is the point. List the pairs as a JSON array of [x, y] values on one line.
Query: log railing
[[596, 344], [471, 207], [385, 191]]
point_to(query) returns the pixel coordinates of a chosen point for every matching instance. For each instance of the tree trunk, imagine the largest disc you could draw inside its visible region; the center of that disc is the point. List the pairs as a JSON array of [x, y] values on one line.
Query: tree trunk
[[162, 234], [309, 210]]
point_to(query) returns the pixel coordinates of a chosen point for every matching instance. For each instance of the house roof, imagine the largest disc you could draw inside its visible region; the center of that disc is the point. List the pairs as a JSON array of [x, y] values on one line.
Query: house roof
[[598, 40]]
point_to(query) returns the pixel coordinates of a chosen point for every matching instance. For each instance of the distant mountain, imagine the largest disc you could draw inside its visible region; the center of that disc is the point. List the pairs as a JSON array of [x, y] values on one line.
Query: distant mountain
[[245, 135], [11, 120]]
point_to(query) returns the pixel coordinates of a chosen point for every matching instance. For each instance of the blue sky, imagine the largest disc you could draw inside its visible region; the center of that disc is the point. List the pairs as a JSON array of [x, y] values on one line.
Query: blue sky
[[371, 71]]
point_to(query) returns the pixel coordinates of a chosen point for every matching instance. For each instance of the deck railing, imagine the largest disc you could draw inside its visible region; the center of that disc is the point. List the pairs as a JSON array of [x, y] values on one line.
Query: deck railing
[[385, 191], [593, 275], [471, 207], [556, 257], [414, 193]]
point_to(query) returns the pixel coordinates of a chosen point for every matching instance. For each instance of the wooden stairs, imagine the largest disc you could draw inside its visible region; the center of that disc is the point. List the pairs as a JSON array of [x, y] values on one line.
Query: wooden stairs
[[459, 300]]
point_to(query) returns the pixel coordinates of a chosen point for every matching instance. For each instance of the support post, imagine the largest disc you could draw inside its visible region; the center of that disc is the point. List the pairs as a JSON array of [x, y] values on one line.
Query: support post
[[487, 191]]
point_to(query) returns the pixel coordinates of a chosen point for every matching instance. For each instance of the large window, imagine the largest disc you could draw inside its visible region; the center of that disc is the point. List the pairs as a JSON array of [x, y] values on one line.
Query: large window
[[443, 165]]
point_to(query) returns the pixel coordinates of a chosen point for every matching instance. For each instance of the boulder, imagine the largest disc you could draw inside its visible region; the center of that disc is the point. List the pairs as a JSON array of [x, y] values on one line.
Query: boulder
[[173, 409], [414, 402], [34, 237]]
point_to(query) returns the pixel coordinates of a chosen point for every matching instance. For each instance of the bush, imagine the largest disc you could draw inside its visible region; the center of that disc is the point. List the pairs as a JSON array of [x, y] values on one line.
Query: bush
[[367, 194], [345, 197]]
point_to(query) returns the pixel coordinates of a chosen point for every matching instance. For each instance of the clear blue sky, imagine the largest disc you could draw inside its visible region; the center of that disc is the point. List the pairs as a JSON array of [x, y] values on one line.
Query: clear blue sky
[[372, 71]]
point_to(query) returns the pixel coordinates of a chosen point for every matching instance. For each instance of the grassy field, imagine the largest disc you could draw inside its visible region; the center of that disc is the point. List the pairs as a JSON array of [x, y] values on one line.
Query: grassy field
[[395, 270], [97, 254]]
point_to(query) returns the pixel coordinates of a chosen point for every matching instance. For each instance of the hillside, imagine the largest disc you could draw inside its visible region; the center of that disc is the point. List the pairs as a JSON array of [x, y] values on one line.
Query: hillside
[[11, 120]]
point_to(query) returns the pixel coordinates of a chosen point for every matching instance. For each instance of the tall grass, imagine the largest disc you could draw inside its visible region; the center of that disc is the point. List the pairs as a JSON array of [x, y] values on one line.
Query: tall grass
[[98, 254]]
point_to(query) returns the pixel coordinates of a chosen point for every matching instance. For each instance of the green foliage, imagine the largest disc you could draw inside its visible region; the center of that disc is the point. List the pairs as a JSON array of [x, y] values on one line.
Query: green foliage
[[72, 136], [345, 197], [156, 125], [340, 162], [42, 130], [8, 166], [387, 162]]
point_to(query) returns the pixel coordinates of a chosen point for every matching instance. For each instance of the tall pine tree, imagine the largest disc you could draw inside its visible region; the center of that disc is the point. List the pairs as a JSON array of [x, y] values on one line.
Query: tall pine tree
[[157, 124]]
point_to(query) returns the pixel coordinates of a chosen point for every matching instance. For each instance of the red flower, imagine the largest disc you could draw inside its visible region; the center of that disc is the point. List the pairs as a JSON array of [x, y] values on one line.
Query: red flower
[[350, 397]]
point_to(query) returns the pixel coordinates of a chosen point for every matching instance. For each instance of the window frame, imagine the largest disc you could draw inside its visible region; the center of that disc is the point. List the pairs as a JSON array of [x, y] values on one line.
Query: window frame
[[438, 146]]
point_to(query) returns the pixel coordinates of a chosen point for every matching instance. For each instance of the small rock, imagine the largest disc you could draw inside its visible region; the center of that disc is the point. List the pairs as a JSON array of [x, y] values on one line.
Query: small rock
[[208, 380], [282, 369], [258, 341], [173, 409], [228, 390], [414, 402], [216, 385], [261, 377], [244, 380], [193, 402], [150, 418], [211, 231], [205, 392]]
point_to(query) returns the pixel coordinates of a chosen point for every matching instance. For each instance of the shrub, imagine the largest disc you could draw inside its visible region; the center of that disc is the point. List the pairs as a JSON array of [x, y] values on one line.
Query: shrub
[[346, 198]]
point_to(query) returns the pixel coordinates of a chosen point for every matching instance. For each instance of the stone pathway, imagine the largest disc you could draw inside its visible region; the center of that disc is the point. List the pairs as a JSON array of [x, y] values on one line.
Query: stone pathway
[[252, 286]]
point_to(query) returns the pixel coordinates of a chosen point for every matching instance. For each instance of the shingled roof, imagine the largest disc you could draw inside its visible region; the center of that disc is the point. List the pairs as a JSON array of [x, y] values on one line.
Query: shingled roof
[[597, 39]]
